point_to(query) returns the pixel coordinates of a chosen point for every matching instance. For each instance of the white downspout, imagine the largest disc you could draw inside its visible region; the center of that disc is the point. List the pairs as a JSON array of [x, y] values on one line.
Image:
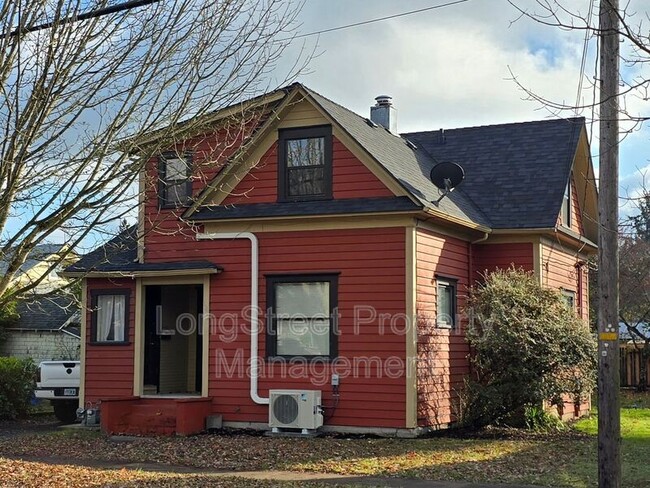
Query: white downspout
[[255, 326]]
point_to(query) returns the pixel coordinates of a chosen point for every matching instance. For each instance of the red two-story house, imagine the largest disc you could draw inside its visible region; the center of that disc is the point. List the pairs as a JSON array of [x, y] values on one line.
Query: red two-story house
[[314, 255]]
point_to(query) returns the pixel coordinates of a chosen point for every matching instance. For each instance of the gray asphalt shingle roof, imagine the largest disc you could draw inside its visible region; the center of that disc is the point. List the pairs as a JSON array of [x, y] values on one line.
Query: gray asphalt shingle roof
[[48, 312], [320, 207], [411, 167], [35, 256], [119, 255], [515, 173], [122, 250]]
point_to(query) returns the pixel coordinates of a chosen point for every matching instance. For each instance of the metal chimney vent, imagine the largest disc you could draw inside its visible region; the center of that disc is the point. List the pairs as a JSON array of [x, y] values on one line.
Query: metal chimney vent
[[384, 114]]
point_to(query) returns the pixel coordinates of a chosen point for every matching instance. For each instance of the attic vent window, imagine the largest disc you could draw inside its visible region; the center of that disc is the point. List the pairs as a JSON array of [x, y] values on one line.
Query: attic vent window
[[305, 164], [175, 185]]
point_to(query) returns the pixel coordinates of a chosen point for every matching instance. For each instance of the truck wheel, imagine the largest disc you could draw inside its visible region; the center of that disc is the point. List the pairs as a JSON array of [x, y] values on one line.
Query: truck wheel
[[65, 411]]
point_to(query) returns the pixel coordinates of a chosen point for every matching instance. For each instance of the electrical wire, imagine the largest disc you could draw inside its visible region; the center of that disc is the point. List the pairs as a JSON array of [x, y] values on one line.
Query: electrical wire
[[583, 61], [379, 19]]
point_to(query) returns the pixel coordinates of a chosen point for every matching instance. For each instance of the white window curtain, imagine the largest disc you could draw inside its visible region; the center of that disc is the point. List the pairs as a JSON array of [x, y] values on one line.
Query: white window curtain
[[110, 318]]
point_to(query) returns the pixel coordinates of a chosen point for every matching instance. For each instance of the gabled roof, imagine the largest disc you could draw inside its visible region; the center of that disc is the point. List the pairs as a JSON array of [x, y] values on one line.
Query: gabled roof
[[37, 255], [515, 173], [410, 166], [48, 312]]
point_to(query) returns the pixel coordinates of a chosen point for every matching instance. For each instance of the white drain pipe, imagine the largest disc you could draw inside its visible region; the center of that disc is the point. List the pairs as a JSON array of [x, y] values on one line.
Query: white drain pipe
[[255, 326]]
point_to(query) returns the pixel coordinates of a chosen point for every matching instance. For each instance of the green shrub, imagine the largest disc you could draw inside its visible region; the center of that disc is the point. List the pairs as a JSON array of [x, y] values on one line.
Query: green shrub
[[16, 386], [528, 347]]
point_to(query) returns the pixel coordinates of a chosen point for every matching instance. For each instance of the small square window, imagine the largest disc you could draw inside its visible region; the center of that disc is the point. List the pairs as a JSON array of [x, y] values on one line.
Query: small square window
[[446, 304], [110, 313], [305, 164], [175, 187], [569, 297], [302, 316]]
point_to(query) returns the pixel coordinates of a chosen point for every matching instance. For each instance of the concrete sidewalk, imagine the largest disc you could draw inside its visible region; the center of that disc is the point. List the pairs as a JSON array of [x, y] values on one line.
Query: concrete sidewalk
[[270, 475]]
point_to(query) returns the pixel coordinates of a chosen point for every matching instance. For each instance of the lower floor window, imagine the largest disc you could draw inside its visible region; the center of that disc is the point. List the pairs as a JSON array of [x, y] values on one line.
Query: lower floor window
[[302, 316], [569, 297], [109, 316], [446, 304]]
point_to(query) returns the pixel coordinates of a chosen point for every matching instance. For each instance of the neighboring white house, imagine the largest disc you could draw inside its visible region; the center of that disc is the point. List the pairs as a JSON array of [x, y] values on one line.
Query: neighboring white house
[[48, 327]]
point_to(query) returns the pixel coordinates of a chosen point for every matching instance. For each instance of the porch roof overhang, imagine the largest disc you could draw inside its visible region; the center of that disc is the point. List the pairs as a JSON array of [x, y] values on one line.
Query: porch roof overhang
[[143, 270]]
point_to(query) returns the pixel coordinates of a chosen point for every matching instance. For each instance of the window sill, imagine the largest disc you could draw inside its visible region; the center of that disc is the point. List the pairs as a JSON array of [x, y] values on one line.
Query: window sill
[[307, 198], [109, 343], [327, 359]]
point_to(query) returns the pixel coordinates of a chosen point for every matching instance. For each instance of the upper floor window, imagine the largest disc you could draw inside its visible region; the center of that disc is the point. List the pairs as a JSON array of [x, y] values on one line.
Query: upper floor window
[[305, 164], [175, 188], [565, 213]]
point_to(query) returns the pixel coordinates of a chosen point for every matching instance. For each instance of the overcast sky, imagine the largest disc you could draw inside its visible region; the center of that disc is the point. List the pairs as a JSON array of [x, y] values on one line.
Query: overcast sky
[[453, 66]]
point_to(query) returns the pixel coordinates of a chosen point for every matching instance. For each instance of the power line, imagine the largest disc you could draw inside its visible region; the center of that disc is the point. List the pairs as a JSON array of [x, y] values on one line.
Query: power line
[[380, 19], [120, 7], [584, 54]]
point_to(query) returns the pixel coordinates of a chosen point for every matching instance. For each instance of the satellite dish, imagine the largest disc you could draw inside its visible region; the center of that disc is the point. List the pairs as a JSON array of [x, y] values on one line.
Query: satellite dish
[[447, 176]]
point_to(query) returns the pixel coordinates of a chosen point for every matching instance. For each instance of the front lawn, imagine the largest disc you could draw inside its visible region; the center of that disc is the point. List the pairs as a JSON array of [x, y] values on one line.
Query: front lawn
[[560, 459]]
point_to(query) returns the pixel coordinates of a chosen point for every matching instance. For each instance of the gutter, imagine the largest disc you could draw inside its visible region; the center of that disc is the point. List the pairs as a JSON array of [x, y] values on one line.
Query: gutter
[[255, 326]]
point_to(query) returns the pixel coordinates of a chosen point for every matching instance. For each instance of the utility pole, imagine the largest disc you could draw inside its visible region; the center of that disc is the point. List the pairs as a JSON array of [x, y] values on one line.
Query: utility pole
[[609, 413]]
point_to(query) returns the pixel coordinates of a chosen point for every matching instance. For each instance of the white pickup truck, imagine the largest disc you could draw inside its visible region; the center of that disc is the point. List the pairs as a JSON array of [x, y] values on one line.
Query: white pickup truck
[[58, 381]]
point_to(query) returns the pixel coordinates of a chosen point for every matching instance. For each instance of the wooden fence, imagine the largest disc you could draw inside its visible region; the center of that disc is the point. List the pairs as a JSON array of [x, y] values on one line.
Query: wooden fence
[[630, 366]]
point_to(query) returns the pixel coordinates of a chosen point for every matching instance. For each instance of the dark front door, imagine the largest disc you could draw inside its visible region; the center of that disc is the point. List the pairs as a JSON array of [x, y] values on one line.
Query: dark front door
[[151, 338]]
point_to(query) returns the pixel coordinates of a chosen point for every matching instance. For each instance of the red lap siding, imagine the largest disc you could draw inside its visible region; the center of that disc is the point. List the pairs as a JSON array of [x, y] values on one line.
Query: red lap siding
[[350, 179], [108, 368], [488, 257], [442, 354], [371, 263]]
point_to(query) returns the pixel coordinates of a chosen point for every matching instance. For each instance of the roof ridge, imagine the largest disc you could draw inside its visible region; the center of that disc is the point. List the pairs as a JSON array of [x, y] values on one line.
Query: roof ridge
[[364, 119], [506, 124]]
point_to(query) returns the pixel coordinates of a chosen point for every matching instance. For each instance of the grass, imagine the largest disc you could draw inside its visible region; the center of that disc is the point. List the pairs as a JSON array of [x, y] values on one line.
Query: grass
[[559, 459]]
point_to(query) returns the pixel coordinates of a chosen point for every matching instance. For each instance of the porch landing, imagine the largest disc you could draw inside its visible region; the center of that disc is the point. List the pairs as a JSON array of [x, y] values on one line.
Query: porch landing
[[154, 416]]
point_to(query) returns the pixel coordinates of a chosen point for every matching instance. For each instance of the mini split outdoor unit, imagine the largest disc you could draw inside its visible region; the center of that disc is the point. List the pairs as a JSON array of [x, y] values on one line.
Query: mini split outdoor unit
[[295, 409]]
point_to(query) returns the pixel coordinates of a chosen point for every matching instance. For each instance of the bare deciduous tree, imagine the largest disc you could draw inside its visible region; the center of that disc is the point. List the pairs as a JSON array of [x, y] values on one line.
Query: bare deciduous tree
[[80, 99], [571, 15]]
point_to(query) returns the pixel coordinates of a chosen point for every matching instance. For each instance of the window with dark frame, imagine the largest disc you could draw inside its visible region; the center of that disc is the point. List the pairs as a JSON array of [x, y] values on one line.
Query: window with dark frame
[[175, 187], [565, 213], [109, 316], [302, 316], [305, 164], [446, 304]]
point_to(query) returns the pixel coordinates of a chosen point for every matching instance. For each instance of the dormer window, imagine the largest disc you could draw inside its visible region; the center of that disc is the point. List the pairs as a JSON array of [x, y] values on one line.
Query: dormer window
[[175, 188], [305, 164], [565, 212]]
